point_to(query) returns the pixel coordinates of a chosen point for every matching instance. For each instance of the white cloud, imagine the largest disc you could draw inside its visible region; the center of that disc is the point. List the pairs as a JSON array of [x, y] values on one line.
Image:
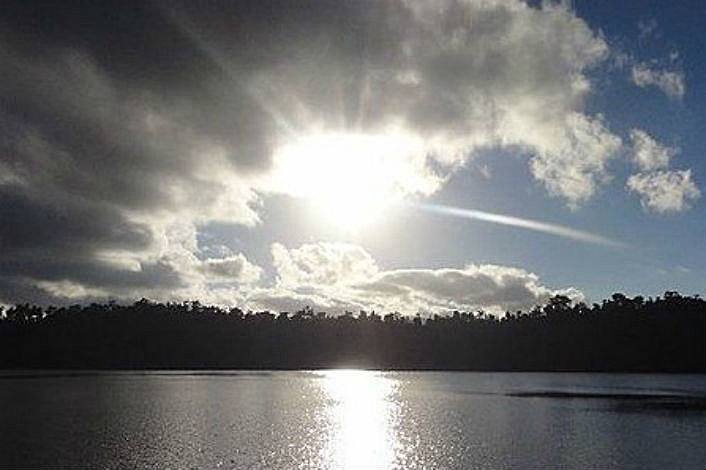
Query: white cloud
[[231, 268], [338, 276], [670, 82], [578, 166], [660, 190], [649, 154], [664, 191], [322, 264]]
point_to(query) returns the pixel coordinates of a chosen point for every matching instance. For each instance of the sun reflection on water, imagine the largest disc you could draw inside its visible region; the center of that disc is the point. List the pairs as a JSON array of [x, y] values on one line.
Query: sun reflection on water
[[362, 415]]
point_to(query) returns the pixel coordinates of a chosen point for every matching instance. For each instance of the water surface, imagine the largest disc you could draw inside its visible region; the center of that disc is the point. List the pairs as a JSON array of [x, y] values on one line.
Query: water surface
[[351, 419]]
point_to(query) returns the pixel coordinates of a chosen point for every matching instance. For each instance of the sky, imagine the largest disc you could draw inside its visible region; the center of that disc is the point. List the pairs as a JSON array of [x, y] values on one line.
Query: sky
[[383, 155]]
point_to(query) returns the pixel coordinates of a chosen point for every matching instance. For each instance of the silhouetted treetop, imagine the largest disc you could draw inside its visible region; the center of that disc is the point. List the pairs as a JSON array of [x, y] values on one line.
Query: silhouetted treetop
[[620, 334]]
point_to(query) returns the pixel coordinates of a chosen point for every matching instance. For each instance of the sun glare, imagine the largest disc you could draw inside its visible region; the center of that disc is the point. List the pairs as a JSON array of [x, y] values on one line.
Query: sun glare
[[351, 180]]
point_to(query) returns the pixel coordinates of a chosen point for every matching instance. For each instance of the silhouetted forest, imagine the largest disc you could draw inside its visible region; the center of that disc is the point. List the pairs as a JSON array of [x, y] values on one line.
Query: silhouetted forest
[[621, 334]]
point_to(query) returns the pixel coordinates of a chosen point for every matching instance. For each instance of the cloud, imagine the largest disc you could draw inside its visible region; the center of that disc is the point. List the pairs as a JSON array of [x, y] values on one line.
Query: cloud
[[325, 263], [341, 276], [647, 28], [660, 190], [121, 131], [449, 78], [664, 191], [649, 154], [578, 166], [95, 171], [488, 287], [670, 82], [231, 268]]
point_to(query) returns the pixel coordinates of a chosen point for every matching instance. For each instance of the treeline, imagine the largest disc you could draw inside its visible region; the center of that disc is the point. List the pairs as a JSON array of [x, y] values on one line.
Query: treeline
[[621, 334]]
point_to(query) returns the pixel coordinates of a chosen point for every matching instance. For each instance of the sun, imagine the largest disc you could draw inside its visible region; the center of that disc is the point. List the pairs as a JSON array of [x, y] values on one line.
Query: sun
[[351, 180]]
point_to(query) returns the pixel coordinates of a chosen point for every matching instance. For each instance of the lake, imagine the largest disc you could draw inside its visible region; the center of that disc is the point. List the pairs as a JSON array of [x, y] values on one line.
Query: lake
[[351, 419]]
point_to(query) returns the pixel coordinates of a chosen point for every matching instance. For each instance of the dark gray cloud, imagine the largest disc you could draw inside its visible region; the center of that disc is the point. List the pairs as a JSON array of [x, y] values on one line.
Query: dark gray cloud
[[61, 240], [32, 222], [104, 112]]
